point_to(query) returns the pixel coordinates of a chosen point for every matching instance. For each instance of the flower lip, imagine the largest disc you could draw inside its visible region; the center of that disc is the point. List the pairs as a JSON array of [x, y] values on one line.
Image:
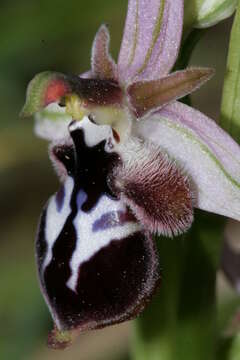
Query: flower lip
[[96, 265]]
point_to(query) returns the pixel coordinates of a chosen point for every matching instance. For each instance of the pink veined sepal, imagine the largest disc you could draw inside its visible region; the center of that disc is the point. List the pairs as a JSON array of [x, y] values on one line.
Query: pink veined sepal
[[151, 39]]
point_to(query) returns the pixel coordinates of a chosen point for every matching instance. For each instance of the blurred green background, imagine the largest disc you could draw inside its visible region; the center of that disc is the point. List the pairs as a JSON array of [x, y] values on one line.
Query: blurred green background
[[55, 35]]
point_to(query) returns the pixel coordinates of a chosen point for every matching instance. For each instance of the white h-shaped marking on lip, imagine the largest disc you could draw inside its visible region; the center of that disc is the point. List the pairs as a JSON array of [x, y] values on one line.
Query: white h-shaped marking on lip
[[88, 242]]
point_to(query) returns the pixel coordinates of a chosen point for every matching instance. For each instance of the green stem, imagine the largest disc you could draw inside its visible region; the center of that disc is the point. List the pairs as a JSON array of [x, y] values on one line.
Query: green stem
[[230, 110], [188, 47]]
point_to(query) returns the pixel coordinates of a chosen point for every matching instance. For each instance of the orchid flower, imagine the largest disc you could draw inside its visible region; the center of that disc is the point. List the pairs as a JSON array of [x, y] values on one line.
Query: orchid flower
[[132, 162]]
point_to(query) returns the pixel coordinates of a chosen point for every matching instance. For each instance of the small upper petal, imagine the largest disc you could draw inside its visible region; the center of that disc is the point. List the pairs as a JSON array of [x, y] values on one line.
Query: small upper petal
[[151, 39], [103, 66], [210, 156], [148, 96]]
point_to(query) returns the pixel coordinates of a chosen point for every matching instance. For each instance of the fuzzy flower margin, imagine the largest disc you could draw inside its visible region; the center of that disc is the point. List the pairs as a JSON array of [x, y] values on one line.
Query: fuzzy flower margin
[[161, 159]]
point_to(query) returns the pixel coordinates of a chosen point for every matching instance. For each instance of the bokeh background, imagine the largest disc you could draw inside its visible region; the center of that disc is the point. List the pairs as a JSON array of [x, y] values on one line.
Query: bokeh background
[[56, 35]]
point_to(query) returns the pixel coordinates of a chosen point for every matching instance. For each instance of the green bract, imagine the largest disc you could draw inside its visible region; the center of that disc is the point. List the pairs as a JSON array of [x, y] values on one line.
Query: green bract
[[205, 13]]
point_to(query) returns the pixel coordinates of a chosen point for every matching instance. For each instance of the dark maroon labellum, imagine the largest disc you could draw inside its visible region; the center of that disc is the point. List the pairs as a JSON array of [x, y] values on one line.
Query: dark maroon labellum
[[96, 265]]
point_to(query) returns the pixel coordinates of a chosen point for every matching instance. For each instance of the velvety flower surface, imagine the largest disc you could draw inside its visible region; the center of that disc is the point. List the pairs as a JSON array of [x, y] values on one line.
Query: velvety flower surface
[[132, 162]]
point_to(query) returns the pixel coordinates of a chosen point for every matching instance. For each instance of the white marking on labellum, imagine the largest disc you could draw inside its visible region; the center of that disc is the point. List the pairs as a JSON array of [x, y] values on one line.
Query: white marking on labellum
[[56, 219], [93, 133], [88, 242]]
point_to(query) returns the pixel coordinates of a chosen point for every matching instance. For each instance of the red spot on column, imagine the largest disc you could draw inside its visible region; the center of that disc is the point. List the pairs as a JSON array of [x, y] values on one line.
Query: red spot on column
[[55, 91]]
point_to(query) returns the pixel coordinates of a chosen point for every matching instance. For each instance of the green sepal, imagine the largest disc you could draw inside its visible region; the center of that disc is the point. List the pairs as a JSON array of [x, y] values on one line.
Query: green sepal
[[205, 13]]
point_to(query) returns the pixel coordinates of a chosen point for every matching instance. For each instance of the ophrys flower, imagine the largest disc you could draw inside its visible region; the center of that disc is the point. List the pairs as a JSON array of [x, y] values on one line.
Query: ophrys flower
[[132, 162]]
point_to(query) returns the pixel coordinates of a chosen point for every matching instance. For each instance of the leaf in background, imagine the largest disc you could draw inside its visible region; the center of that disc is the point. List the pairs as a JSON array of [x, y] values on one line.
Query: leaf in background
[[235, 349], [180, 323], [230, 110]]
